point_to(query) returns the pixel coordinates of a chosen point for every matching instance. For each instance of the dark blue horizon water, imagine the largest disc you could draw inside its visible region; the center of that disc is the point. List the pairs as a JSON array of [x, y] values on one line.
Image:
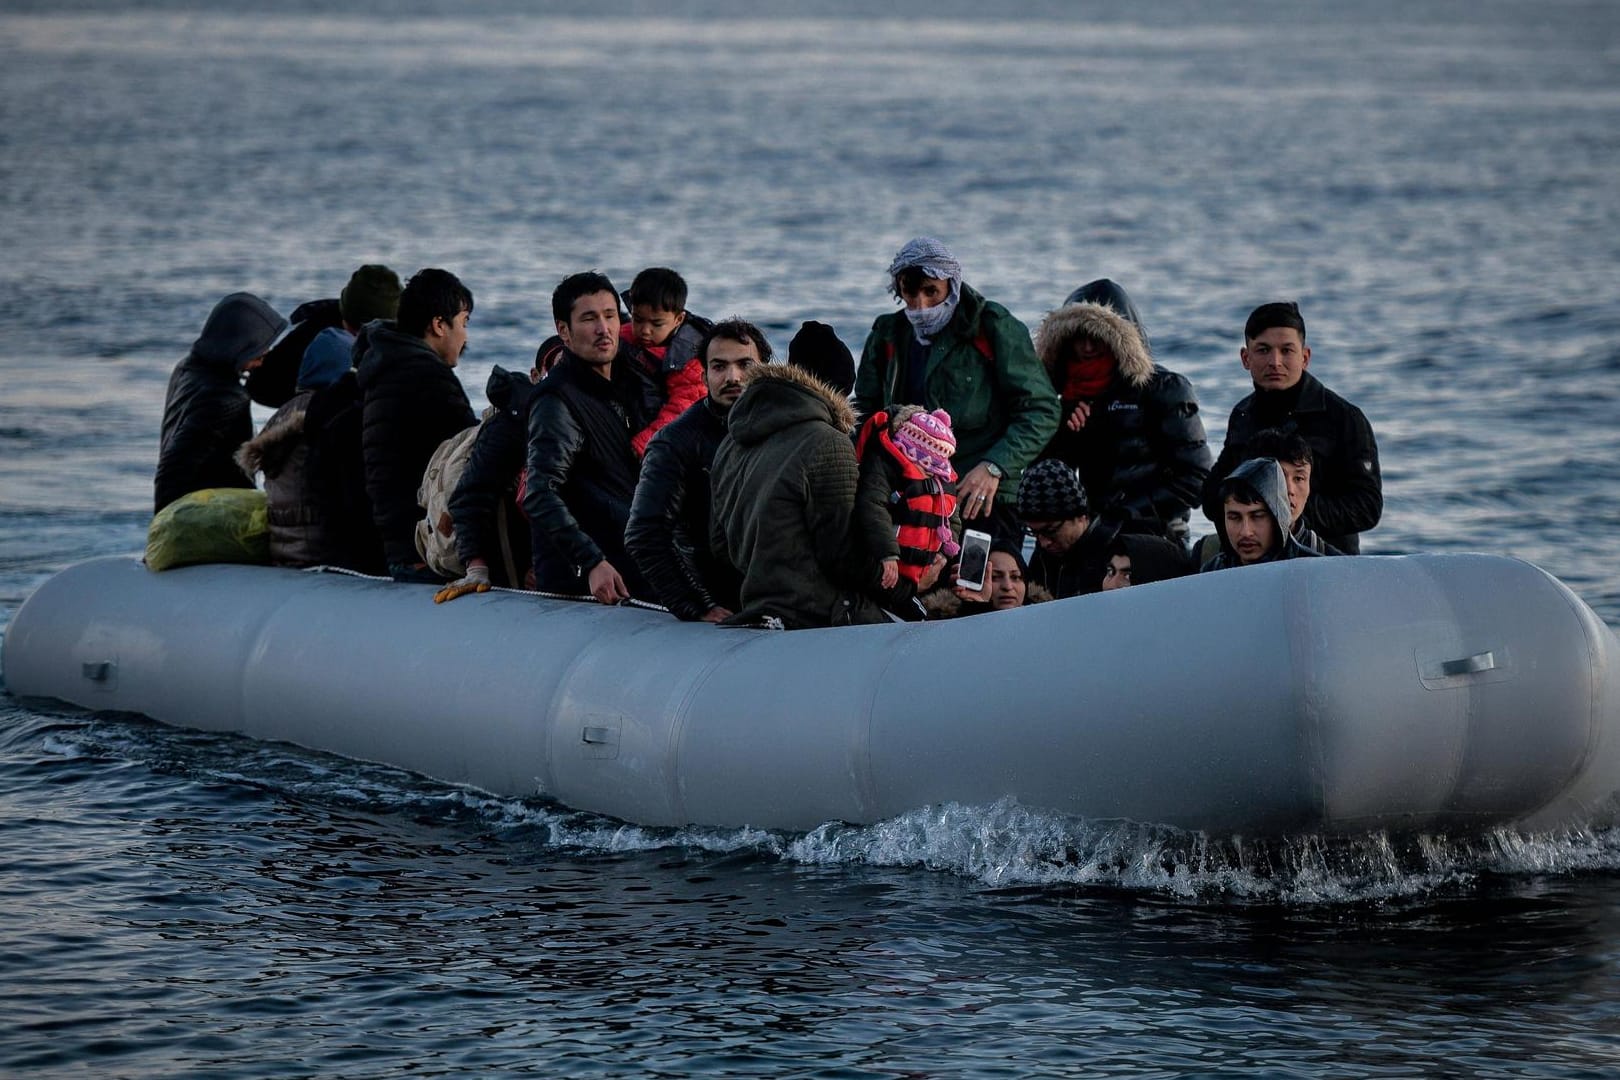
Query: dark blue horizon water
[[1432, 181]]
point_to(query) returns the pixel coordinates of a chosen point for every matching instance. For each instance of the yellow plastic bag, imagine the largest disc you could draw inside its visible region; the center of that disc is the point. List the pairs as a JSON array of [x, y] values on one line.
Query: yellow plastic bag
[[215, 525]]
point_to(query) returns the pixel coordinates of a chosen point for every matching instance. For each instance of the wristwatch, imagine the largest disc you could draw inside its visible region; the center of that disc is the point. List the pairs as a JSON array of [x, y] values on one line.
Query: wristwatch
[[994, 470]]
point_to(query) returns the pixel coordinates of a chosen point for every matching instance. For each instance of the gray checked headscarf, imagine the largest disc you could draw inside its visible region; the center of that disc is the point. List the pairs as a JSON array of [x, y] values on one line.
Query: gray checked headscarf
[[934, 259]]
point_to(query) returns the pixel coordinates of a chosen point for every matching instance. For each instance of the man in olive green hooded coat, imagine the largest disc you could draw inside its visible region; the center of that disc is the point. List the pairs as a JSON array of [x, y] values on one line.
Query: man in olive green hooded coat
[[784, 481]]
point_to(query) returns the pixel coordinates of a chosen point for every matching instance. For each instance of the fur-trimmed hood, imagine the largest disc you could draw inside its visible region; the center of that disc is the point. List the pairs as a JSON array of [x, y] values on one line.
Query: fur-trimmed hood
[[1099, 321], [943, 603], [269, 449], [777, 395]]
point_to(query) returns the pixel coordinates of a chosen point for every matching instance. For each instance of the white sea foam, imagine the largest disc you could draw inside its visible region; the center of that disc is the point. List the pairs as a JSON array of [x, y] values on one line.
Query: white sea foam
[[1005, 845], [1001, 845]]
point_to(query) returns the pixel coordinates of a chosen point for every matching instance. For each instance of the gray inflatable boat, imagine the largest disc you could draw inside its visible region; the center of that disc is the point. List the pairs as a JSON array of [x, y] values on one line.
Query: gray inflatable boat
[[1337, 695]]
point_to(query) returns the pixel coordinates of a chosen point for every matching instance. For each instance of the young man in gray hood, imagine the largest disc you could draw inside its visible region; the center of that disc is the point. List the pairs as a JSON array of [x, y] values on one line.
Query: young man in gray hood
[[205, 413], [1255, 519]]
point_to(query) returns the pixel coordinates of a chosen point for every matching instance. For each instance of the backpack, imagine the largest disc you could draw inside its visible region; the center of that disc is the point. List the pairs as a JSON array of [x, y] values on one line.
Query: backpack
[[435, 534], [214, 525]]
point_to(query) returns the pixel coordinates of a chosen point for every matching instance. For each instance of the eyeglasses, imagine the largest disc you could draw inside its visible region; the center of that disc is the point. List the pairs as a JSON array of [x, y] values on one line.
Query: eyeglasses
[[1048, 531]]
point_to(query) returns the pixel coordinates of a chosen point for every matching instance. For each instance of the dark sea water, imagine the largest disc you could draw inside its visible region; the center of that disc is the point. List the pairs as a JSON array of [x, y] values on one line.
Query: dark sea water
[[1434, 182]]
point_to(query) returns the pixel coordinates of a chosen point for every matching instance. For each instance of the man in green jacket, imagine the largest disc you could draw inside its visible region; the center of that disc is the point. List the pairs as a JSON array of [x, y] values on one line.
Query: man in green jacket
[[784, 482], [952, 349]]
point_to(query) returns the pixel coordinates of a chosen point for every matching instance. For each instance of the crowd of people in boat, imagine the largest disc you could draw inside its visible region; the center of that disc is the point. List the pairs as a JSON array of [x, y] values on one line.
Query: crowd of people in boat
[[668, 458]]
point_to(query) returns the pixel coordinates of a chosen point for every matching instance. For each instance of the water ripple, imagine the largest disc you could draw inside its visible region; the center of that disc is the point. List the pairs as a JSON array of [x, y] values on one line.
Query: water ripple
[[1434, 184]]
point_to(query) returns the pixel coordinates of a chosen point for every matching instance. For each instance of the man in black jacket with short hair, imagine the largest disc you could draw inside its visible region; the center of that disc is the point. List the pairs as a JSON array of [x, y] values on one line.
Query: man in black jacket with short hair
[[668, 532], [1347, 493], [412, 403], [582, 467]]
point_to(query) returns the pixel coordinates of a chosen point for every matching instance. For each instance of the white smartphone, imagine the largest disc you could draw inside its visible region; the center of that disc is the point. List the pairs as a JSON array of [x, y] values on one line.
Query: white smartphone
[[975, 561]]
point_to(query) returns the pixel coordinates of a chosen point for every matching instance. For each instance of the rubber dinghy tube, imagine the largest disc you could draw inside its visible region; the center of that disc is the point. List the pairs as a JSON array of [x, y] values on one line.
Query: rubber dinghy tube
[[1343, 694]]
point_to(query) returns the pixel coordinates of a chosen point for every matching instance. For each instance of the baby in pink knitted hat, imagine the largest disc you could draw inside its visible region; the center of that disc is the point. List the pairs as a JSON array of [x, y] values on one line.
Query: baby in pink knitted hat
[[925, 438], [906, 497]]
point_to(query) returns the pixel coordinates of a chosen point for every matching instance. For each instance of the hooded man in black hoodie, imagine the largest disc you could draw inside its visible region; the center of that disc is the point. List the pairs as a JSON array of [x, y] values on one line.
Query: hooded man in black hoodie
[[486, 513], [1140, 559], [1256, 521], [206, 411]]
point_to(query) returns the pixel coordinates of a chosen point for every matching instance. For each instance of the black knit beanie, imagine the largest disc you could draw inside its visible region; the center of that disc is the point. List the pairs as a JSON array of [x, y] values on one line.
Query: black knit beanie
[[816, 349]]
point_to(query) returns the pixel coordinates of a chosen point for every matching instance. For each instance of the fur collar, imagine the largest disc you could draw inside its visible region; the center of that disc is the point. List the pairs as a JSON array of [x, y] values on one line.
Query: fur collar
[[1103, 323], [276, 439], [941, 602], [843, 415]]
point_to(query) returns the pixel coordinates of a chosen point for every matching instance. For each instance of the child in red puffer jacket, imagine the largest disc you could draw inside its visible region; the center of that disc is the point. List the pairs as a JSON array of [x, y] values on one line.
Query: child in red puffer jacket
[[667, 336]]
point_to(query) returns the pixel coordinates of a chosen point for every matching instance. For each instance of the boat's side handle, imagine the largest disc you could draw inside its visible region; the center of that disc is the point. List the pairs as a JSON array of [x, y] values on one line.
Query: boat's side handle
[[600, 736], [1468, 665], [104, 673]]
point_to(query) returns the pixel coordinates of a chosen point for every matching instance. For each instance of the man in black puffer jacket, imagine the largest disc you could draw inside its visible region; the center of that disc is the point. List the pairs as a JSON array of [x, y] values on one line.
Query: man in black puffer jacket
[[1130, 427], [412, 402], [205, 413], [668, 533], [582, 467]]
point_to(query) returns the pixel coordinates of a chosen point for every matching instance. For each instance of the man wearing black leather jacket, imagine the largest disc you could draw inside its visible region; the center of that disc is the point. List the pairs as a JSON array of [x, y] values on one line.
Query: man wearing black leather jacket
[[669, 519], [582, 466]]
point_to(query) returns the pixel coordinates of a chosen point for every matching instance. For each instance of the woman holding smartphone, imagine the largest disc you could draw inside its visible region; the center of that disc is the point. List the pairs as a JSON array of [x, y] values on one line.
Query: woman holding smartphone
[[1006, 586]]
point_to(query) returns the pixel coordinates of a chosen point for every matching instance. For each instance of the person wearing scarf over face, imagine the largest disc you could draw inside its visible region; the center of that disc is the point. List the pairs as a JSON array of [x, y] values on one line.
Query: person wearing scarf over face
[[1130, 427], [952, 349]]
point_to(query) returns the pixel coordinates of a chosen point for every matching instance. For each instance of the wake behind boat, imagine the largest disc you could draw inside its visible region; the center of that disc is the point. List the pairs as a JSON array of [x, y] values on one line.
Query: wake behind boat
[[1402, 693]]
